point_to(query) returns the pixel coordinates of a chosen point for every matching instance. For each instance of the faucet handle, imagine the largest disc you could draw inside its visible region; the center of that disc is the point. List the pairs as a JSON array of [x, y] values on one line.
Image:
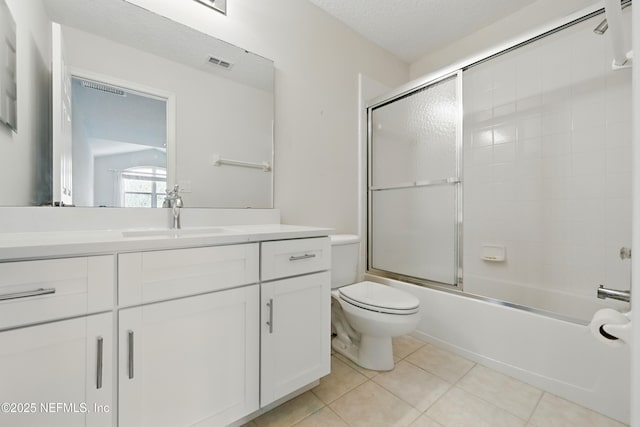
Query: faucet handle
[[176, 188]]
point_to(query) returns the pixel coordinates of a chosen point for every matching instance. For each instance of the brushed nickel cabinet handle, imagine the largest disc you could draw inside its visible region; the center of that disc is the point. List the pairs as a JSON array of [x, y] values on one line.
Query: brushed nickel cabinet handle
[[301, 257], [130, 339], [270, 321], [99, 363]]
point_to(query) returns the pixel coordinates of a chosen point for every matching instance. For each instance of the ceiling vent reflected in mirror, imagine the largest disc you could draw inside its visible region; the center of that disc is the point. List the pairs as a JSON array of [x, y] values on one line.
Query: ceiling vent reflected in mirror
[[103, 87], [220, 63], [218, 5]]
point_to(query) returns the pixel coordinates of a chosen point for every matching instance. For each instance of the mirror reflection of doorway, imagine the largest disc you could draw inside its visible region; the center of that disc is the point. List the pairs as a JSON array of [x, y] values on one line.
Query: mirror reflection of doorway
[[119, 145]]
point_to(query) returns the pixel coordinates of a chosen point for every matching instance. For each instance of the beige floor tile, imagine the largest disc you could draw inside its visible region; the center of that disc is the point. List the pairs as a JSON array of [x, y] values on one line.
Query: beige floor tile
[[370, 405], [325, 417], [503, 391], [290, 412], [342, 379], [553, 411], [415, 386], [404, 346], [366, 372], [249, 424], [459, 408], [424, 421], [442, 363]]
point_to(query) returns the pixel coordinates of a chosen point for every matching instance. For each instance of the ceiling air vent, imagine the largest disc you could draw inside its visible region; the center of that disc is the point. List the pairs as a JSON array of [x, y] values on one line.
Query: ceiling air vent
[[220, 63], [103, 87]]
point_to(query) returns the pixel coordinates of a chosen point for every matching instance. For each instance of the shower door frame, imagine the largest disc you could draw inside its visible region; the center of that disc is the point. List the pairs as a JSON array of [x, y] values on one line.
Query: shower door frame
[[433, 78], [457, 182]]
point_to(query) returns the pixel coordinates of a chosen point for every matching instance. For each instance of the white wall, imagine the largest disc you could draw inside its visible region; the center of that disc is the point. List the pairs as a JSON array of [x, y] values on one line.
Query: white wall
[[25, 153], [317, 62], [535, 15], [82, 172]]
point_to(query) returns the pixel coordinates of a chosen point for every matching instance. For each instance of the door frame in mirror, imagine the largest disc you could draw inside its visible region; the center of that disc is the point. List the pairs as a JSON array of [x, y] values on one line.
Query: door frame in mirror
[[170, 98]]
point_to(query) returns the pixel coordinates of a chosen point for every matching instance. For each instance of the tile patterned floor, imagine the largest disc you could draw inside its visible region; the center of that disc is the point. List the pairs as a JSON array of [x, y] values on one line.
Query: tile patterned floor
[[429, 387]]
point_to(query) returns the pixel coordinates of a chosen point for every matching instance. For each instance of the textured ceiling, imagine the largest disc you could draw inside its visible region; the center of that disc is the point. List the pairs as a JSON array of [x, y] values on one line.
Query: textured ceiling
[[411, 29]]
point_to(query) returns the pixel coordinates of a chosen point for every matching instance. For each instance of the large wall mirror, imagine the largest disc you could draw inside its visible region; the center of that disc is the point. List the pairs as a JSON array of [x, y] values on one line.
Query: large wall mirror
[[140, 103]]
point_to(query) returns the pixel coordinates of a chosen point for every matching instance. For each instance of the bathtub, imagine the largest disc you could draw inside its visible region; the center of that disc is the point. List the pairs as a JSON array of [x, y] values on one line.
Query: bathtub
[[557, 356], [576, 308]]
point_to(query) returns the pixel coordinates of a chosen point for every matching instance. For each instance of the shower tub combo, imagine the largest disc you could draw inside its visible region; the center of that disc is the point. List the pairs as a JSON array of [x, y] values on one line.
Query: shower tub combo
[[499, 194]]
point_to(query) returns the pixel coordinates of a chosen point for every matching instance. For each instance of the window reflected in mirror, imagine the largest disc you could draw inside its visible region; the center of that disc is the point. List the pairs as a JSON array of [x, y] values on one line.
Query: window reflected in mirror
[[142, 187]]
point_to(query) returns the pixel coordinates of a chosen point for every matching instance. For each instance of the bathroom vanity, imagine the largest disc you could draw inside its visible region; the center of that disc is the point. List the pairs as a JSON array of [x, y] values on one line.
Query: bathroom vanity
[[160, 328]]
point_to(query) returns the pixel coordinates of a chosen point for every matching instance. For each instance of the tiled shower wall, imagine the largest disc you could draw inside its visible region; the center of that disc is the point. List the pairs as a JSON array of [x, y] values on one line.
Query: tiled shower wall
[[547, 167]]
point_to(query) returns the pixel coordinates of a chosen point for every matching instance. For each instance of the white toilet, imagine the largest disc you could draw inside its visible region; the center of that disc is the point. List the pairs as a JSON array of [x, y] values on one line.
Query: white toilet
[[366, 315]]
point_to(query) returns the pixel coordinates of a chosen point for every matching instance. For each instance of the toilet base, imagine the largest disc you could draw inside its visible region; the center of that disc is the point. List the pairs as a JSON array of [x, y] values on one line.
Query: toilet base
[[374, 353]]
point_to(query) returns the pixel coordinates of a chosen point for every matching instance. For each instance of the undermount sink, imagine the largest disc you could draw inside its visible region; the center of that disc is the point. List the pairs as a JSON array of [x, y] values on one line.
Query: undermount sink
[[182, 232]]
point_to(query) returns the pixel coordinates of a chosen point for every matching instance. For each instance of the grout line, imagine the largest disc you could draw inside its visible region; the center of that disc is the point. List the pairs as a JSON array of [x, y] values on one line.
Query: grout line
[[535, 408], [338, 415], [310, 414], [486, 400]]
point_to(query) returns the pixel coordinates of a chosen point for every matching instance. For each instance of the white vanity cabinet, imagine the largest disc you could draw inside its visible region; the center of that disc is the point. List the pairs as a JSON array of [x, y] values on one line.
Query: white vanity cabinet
[[56, 372], [194, 360], [194, 336], [296, 315]]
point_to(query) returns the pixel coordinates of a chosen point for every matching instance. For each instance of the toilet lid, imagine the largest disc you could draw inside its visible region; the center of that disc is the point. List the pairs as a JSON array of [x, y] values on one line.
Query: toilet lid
[[381, 298]]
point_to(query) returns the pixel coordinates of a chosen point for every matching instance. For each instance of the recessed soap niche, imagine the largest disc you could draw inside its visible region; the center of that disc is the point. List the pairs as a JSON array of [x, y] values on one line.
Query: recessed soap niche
[[494, 253]]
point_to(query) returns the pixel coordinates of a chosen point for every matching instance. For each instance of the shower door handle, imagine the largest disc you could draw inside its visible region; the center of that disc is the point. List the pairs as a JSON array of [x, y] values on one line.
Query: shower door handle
[[418, 184]]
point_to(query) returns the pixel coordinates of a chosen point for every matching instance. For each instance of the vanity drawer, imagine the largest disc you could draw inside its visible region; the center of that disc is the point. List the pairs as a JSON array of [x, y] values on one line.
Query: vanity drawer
[[160, 275], [43, 290], [286, 258]]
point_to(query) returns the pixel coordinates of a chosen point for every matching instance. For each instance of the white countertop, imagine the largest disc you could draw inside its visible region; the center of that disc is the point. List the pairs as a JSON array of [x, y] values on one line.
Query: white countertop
[[15, 246]]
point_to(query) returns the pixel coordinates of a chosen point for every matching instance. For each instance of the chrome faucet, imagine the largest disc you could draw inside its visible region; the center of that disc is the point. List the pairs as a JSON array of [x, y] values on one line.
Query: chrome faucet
[[173, 200], [620, 295]]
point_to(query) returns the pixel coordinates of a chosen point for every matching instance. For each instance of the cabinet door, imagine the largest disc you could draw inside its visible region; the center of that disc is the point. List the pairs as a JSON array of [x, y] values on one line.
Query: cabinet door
[[190, 362], [49, 374], [295, 334]]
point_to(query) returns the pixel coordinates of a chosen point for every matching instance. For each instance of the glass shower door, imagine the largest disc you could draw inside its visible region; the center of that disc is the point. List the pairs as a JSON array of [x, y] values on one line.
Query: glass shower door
[[414, 184]]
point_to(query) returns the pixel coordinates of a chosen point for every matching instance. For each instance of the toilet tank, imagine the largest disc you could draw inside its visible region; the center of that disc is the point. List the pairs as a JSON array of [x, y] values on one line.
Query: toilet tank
[[345, 250]]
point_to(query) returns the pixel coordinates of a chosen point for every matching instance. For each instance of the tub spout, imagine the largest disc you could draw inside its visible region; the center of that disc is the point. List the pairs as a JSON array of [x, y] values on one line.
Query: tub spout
[[618, 294]]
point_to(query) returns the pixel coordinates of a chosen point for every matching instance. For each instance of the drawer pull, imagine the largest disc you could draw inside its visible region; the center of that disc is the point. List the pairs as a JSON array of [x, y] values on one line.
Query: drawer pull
[[27, 294], [99, 364], [301, 257], [130, 339], [270, 322]]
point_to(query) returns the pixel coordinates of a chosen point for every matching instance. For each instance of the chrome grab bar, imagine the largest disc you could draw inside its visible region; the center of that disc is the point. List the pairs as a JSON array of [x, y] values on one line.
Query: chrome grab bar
[[614, 294], [27, 294], [301, 257], [219, 161]]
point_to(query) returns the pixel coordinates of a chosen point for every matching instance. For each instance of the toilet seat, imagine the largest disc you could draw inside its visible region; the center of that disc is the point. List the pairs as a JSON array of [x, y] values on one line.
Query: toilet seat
[[381, 298]]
